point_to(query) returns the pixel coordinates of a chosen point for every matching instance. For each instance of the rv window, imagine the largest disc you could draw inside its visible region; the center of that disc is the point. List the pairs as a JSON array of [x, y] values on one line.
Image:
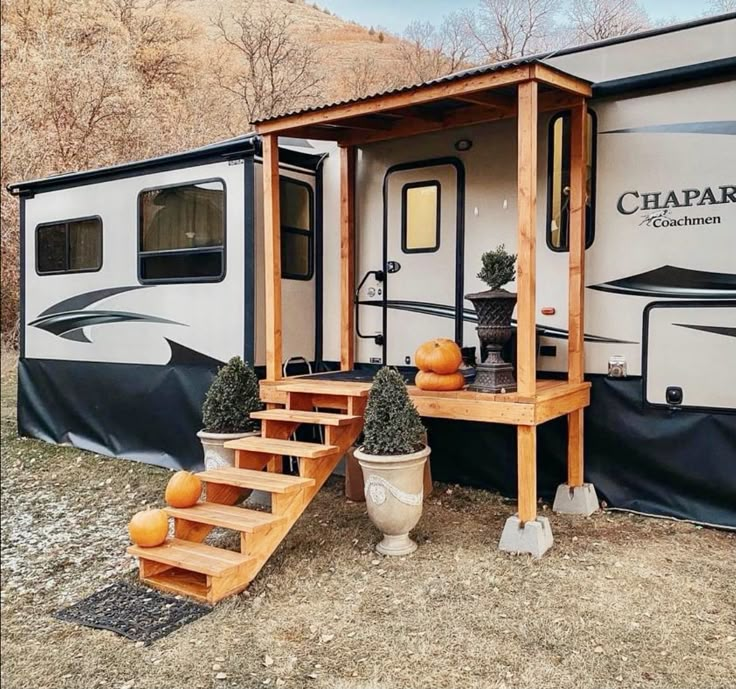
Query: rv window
[[72, 246], [182, 232], [420, 217], [558, 182], [296, 230]]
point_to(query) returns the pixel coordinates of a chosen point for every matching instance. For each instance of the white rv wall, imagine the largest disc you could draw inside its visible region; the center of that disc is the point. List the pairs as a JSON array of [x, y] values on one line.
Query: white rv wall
[[206, 317], [665, 51]]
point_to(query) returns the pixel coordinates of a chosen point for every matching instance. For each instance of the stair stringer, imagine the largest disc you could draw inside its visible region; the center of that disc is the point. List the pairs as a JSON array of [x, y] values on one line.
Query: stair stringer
[[260, 546]]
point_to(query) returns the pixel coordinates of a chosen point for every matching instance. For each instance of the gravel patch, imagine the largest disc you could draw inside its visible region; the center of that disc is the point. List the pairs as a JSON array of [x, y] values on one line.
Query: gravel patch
[[620, 600]]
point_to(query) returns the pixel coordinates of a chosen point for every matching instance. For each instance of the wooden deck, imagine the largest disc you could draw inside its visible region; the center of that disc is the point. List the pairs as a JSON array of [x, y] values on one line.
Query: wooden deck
[[553, 398]]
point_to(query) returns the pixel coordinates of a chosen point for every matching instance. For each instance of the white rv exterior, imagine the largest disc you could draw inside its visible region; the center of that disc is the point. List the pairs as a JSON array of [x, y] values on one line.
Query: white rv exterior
[[664, 225], [107, 353]]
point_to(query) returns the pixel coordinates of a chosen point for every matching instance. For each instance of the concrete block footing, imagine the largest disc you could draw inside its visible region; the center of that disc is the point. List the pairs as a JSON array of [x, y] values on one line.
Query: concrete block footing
[[533, 538], [576, 500]]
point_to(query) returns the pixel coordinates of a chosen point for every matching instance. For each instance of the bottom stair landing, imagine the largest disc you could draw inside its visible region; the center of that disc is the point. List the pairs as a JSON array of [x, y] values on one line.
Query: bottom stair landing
[[185, 565]]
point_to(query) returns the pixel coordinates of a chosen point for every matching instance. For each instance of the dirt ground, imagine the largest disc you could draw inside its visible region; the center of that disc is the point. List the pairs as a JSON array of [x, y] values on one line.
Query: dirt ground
[[620, 600]]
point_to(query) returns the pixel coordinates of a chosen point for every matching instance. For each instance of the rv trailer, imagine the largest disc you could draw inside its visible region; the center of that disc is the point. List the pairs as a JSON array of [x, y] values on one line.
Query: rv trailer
[[139, 280], [116, 356]]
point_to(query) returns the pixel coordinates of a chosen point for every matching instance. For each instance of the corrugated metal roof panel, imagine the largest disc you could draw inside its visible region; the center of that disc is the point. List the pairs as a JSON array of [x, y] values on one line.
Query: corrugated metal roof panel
[[473, 71]]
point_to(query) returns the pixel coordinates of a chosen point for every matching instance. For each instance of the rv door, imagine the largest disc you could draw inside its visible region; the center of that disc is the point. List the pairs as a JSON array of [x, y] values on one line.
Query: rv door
[[420, 258]]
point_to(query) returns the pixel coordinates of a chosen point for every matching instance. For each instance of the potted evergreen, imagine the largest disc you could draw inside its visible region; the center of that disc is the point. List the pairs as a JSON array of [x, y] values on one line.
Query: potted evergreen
[[495, 307], [392, 458], [231, 398]]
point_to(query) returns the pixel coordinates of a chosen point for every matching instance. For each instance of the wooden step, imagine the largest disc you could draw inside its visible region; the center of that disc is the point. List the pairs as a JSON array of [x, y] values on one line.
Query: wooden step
[[257, 480], [316, 387], [297, 416], [196, 557], [235, 518], [288, 448]]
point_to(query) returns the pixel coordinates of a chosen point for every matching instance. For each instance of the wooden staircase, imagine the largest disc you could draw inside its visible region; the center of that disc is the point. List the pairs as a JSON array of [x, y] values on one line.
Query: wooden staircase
[[185, 565]]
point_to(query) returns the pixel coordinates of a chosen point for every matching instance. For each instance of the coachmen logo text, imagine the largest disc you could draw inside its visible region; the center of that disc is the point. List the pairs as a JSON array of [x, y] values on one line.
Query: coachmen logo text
[[657, 205]]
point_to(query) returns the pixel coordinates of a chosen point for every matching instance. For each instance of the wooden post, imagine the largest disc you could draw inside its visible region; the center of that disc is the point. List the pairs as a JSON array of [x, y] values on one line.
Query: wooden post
[[526, 348], [526, 447], [347, 257], [272, 254], [576, 293]]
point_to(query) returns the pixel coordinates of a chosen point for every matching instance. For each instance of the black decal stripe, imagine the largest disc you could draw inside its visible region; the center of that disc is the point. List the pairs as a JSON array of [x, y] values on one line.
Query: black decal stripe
[[716, 329], [76, 336], [63, 323], [446, 311], [184, 356], [79, 301], [671, 281], [726, 127]]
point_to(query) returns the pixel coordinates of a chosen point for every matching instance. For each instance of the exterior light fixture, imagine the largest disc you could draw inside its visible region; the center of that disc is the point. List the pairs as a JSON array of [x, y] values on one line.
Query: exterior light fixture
[[463, 145]]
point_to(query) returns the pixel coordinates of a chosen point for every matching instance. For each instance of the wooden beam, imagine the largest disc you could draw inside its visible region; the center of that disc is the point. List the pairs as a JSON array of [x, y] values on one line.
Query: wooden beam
[[367, 122], [489, 99], [404, 128], [561, 80], [272, 255], [417, 114], [557, 100], [402, 99], [347, 258], [526, 447], [410, 126], [576, 286], [526, 349], [321, 132]]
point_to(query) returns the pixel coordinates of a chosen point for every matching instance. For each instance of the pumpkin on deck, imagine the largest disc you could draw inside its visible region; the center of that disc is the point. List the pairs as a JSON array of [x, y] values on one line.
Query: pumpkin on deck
[[149, 528], [440, 355], [183, 489], [426, 380]]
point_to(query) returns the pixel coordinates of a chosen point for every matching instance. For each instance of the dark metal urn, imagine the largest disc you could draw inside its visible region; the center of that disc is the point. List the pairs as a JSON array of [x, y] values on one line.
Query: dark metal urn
[[494, 309]]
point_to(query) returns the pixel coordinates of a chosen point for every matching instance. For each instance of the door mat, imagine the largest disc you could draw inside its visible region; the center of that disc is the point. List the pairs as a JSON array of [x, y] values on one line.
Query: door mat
[[138, 613]]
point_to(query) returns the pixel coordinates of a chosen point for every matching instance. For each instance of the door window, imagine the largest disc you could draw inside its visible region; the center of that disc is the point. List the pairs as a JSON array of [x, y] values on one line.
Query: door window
[[558, 183], [297, 230], [420, 217]]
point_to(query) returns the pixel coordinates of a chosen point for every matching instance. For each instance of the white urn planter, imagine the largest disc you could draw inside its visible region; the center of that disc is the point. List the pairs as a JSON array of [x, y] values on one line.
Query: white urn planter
[[394, 496], [216, 456]]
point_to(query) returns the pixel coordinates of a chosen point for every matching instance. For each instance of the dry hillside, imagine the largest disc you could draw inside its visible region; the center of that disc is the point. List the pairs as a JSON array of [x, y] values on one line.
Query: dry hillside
[[97, 82]]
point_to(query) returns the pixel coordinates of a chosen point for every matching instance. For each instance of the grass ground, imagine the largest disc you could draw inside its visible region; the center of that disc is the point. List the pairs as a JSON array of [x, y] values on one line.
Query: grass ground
[[619, 601]]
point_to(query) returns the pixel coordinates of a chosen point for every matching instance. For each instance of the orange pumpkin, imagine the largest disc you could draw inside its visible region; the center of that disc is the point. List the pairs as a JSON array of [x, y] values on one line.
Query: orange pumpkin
[[149, 528], [426, 380], [439, 356], [183, 490]]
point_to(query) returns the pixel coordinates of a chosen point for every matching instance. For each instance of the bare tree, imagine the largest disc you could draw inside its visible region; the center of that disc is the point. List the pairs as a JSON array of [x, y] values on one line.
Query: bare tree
[[596, 20], [505, 29], [361, 78], [275, 72], [428, 52], [721, 6]]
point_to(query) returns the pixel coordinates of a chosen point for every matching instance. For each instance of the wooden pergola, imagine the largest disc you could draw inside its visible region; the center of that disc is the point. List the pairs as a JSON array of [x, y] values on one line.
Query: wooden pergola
[[522, 90]]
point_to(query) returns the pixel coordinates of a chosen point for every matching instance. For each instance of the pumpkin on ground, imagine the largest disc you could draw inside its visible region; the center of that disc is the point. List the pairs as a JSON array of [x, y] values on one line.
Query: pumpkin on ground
[[426, 380], [439, 356], [149, 528], [183, 490]]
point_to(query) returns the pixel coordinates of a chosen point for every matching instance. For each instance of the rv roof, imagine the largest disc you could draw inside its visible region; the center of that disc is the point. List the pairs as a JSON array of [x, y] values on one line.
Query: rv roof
[[237, 147]]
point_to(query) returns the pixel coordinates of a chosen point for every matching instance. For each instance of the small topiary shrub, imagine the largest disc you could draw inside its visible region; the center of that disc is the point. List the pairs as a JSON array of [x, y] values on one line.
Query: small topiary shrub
[[231, 398], [499, 267], [392, 424]]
